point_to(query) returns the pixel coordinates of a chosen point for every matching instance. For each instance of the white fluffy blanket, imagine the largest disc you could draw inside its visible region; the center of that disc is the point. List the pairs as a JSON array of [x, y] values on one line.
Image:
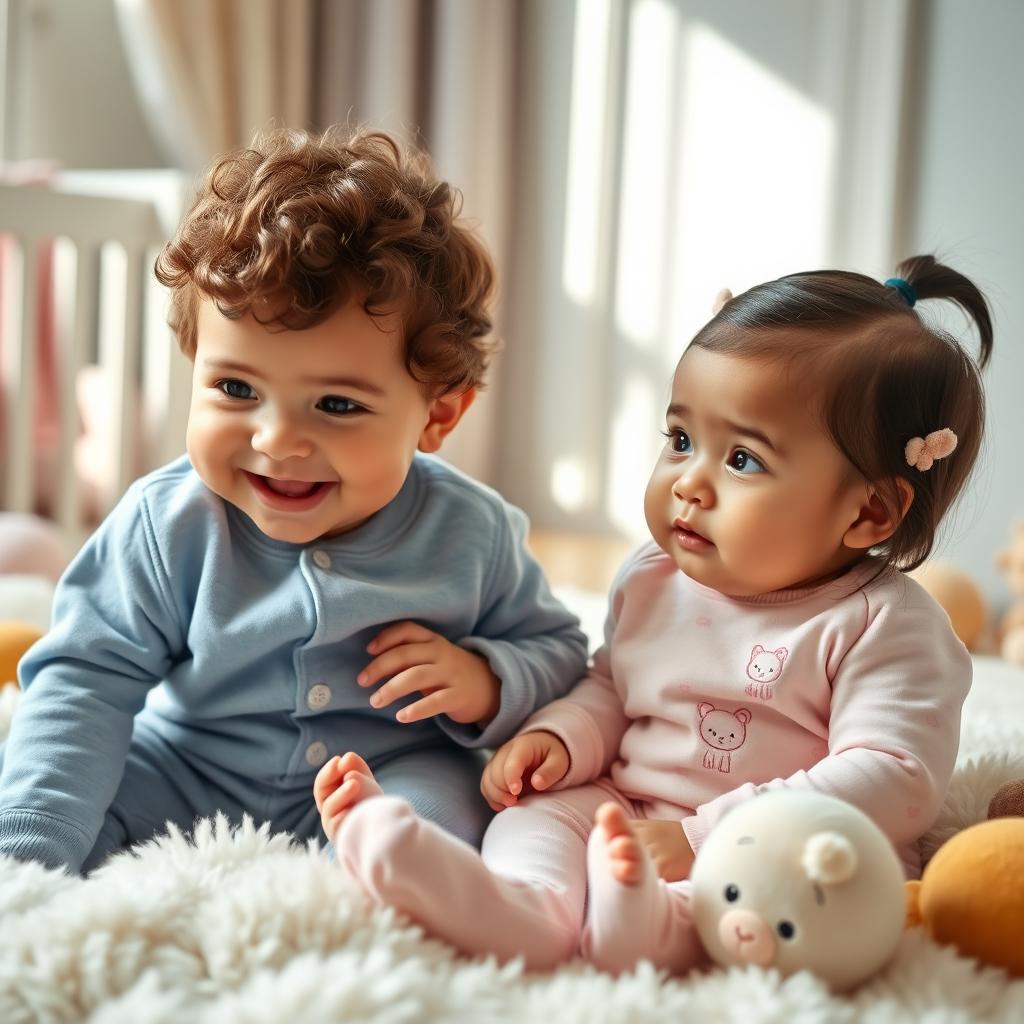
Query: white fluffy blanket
[[242, 926]]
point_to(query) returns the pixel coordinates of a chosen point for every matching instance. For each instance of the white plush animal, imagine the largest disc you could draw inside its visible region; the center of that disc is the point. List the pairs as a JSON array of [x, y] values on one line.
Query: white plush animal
[[798, 880]]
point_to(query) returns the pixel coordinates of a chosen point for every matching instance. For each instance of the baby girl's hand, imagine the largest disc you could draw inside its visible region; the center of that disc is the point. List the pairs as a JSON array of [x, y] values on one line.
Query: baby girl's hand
[[542, 754], [454, 682], [667, 845]]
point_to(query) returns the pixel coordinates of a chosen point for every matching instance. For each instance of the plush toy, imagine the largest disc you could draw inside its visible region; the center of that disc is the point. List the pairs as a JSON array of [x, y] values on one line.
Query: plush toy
[[799, 881], [31, 545], [33, 554], [959, 597], [15, 639], [1008, 801], [1010, 635], [971, 894]]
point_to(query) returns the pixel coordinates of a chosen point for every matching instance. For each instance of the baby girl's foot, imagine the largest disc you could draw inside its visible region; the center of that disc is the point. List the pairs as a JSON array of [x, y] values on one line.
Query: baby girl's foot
[[622, 848], [622, 893], [341, 784], [631, 914]]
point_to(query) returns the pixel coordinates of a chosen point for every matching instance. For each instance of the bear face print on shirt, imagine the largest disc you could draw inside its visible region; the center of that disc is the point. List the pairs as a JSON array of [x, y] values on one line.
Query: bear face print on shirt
[[764, 667]]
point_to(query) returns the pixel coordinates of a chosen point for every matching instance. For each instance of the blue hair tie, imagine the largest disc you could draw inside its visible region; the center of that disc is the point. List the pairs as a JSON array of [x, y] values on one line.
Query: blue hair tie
[[905, 288]]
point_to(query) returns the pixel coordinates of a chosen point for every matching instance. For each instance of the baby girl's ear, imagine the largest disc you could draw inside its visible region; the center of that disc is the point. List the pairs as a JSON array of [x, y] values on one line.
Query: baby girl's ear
[[720, 300]]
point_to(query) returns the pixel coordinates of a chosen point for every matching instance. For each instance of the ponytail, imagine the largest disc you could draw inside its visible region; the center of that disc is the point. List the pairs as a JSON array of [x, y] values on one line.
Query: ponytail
[[933, 280]]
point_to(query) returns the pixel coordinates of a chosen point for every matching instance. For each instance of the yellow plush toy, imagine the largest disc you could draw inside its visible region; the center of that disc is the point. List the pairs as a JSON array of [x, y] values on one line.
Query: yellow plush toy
[[15, 639], [972, 892]]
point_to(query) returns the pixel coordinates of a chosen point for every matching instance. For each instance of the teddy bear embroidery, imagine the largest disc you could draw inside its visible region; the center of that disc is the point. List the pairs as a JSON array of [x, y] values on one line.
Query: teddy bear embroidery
[[723, 732], [763, 669]]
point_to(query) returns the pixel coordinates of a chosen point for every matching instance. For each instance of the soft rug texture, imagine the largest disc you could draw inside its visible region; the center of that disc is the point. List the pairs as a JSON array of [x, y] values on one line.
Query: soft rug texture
[[243, 926]]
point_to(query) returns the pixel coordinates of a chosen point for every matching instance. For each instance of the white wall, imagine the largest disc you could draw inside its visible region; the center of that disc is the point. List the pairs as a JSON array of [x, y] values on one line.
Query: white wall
[[965, 201], [725, 144], [70, 95]]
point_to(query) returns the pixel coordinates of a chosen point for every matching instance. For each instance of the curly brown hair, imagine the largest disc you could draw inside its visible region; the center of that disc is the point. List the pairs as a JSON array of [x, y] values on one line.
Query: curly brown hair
[[878, 375], [298, 222]]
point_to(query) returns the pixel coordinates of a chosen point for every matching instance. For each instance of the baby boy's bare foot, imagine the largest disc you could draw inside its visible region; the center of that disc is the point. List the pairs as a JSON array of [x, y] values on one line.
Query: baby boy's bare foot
[[341, 784], [622, 848]]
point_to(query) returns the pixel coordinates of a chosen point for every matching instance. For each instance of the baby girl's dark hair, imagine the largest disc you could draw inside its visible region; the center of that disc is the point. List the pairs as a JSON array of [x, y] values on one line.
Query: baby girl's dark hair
[[877, 374], [288, 227]]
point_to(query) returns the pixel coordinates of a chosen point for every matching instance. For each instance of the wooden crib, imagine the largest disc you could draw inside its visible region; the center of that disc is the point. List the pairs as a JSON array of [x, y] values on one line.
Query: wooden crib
[[83, 337]]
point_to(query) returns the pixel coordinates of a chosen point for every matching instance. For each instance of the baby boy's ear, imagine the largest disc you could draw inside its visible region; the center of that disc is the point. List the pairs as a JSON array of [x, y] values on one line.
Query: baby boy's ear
[[720, 300], [444, 413]]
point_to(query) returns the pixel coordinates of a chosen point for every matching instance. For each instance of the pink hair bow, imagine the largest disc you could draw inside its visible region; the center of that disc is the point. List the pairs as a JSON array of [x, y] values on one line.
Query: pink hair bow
[[921, 452]]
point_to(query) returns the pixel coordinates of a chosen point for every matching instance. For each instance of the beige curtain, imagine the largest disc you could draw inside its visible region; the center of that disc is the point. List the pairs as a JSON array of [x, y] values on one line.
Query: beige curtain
[[211, 72], [442, 73]]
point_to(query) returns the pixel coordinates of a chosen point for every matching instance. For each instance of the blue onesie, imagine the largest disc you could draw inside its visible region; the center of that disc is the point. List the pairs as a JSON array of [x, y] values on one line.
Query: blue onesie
[[195, 665]]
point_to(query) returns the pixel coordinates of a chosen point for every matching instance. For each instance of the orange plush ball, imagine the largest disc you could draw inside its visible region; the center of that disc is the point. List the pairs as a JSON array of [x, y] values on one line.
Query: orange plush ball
[[15, 639], [972, 894]]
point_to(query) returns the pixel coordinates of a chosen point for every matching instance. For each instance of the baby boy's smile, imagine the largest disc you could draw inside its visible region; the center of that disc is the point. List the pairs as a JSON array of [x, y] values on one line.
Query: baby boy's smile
[[288, 495]]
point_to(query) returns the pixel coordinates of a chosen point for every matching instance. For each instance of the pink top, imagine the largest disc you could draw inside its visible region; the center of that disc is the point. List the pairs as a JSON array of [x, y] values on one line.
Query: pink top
[[698, 701]]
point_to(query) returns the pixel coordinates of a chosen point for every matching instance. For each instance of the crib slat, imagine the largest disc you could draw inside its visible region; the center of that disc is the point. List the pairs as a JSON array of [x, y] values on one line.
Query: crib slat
[[76, 309], [21, 292], [130, 447], [10, 334], [118, 355]]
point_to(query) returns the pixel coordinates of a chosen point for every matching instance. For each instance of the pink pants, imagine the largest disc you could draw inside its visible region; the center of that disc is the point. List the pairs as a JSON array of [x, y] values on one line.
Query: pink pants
[[526, 893]]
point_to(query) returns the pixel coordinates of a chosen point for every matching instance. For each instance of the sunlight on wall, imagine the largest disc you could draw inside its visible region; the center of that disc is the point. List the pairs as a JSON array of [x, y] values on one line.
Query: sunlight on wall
[[755, 160], [586, 165], [726, 173], [634, 445], [647, 172], [569, 484], [727, 181]]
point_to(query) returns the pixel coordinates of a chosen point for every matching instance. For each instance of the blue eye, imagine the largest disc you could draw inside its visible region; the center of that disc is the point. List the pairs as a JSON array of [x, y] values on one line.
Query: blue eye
[[235, 388], [338, 406], [744, 462], [679, 441]]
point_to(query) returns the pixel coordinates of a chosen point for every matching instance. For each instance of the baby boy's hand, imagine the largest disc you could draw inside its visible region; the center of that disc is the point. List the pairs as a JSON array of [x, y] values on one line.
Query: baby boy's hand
[[454, 682], [667, 845], [540, 755]]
